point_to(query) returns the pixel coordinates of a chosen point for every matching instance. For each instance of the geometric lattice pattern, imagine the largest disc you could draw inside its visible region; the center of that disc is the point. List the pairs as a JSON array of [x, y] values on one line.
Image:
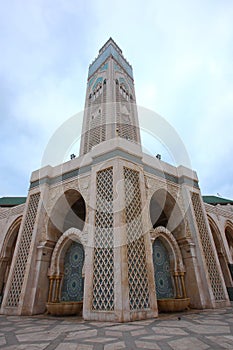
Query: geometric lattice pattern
[[125, 126], [22, 256], [72, 286], [162, 270], [214, 276], [103, 276], [96, 133], [96, 128], [137, 271], [94, 136], [127, 131]]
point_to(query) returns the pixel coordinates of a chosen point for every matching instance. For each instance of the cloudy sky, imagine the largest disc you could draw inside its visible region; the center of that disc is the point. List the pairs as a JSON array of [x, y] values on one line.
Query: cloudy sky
[[181, 52]]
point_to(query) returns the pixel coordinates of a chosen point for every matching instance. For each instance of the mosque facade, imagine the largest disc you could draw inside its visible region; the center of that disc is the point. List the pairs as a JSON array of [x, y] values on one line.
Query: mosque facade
[[114, 234]]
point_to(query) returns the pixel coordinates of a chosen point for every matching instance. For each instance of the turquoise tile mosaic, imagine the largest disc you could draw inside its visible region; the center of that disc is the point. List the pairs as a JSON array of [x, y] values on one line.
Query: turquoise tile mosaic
[[162, 268], [72, 287], [110, 51], [98, 80]]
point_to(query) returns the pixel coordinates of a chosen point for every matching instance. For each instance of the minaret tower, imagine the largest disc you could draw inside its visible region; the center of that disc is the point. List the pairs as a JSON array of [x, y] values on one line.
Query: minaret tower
[[119, 284], [110, 108]]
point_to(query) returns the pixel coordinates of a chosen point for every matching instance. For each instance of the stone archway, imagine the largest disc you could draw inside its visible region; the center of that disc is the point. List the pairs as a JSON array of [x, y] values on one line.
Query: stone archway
[[66, 273], [7, 253], [169, 271], [222, 255]]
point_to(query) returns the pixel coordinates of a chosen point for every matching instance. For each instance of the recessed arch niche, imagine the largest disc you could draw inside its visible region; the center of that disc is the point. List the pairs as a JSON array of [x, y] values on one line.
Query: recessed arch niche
[[165, 212], [68, 212], [7, 253], [222, 256], [66, 272], [169, 269], [229, 238]]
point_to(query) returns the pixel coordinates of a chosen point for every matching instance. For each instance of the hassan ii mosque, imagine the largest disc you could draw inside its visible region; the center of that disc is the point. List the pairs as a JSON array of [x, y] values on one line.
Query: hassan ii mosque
[[114, 234]]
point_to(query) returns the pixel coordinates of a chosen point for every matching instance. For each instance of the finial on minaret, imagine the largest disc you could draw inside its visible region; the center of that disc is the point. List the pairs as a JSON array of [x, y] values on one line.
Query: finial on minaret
[[109, 42]]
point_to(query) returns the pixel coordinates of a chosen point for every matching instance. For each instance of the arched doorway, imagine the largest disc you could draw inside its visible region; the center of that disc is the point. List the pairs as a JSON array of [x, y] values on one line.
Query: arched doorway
[[73, 280], [162, 271], [66, 274], [7, 254], [169, 271]]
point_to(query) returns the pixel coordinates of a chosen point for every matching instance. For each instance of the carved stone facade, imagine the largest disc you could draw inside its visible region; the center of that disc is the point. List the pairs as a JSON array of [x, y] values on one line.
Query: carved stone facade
[[98, 227]]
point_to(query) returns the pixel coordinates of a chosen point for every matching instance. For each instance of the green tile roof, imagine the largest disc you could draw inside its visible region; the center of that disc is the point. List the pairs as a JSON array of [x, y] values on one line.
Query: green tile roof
[[214, 200], [12, 201]]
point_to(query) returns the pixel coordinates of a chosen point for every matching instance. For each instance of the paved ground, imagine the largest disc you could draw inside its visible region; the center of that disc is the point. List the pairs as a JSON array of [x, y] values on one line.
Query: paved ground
[[212, 329]]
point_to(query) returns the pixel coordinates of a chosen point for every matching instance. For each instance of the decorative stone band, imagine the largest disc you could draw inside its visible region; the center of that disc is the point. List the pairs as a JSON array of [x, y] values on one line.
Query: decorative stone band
[[103, 267], [136, 251], [117, 153], [110, 51]]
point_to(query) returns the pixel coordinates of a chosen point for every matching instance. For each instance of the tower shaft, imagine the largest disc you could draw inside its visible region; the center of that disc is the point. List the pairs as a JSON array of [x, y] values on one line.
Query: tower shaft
[[110, 106]]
